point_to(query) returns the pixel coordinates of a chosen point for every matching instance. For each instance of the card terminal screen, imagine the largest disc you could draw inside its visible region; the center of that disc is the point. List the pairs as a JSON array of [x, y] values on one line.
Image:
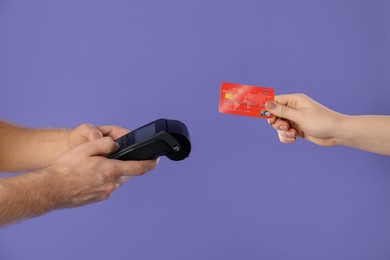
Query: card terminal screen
[[136, 136]]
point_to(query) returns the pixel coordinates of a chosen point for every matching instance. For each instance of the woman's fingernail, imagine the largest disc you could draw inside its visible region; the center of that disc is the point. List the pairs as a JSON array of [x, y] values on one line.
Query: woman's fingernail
[[283, 127], [270, 105], [290, 134]]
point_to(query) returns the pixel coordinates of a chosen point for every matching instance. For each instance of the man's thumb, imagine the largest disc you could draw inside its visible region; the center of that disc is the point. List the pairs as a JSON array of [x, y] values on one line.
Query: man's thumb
[[281, 110]]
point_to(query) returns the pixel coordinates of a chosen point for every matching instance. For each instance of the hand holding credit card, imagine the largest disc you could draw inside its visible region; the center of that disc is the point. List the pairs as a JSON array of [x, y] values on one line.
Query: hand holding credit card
[[245, 100]]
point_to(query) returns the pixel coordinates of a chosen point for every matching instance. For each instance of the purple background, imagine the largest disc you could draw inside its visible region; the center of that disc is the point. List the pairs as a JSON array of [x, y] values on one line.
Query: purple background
[[241, 194]]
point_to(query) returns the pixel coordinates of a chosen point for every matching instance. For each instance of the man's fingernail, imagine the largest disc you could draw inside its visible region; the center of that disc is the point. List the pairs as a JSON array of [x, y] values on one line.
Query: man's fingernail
[[96, 135], [270, 105], [109, 139]]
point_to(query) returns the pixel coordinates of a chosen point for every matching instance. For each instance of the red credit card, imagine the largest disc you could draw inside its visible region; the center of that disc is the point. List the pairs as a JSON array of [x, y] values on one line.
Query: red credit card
[[245, 100]]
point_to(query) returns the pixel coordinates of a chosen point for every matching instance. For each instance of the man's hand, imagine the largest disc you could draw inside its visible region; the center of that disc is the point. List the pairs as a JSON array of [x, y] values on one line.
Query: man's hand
[[26, 149], [82, 175], [88, 132], [78, 177]]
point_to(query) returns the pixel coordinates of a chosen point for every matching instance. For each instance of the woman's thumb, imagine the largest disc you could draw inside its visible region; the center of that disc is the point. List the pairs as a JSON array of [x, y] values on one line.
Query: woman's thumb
[[281, 110]]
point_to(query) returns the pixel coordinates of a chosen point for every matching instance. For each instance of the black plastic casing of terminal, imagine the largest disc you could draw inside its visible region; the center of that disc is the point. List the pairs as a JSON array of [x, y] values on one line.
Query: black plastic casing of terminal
[[163, 137]]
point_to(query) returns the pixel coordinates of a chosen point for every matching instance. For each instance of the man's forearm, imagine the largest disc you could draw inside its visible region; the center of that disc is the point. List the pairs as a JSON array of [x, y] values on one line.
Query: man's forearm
[[369, 133], [26, 149], [25, 196]]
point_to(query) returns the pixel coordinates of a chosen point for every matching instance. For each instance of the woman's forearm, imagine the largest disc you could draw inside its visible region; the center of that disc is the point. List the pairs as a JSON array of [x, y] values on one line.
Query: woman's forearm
[[369, 133]]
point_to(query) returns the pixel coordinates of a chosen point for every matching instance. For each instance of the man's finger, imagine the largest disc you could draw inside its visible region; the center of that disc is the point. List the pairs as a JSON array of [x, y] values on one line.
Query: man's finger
[[89, 132], [102, 146], [135, 168], [122, 179], [113, 131]]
